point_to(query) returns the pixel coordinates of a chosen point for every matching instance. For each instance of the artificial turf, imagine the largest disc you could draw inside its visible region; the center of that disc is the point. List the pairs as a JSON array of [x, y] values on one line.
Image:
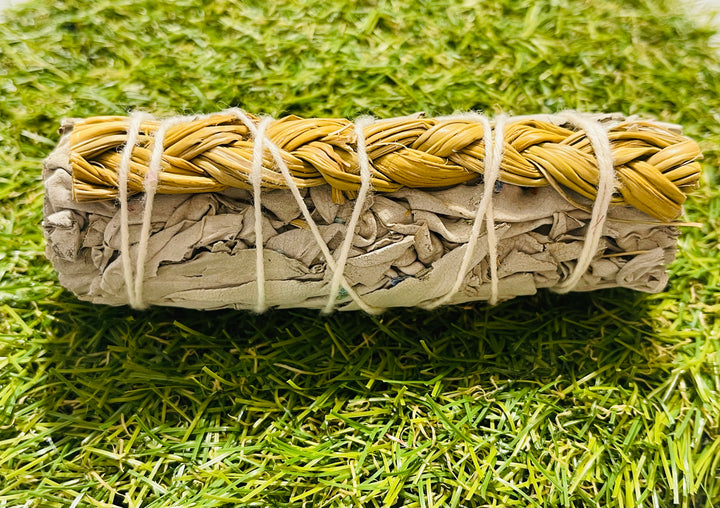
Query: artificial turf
[[609, 398]]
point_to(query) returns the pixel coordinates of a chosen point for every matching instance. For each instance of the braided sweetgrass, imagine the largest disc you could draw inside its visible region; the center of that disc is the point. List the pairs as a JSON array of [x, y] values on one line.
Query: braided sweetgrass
[[654, 164]]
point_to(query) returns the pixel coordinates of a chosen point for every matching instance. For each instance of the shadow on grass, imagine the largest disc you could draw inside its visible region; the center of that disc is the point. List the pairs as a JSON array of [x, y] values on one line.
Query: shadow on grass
[[103, 353], [227, 396]]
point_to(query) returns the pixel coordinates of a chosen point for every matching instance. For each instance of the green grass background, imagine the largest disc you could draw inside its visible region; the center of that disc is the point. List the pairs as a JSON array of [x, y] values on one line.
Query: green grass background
[[602, 399]]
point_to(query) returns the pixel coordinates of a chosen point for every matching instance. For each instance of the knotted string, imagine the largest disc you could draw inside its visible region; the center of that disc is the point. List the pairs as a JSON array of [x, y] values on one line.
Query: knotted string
[[150, 184], [277, 157], [598, 136], [136, 119], [493, 159], [497, 157], [256, 178], [365, 177], [150, 187]]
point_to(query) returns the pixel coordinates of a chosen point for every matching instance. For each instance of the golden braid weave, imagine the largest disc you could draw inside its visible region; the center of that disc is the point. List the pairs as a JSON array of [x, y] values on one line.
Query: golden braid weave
[[654, 165]]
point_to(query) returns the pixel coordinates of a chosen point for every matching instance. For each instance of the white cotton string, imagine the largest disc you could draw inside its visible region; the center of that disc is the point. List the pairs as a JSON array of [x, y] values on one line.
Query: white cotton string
[[277, 156], [497, 157], [365, 181], [133, 132], [256, 178], [597, 134], [493, 159], [150, 187]]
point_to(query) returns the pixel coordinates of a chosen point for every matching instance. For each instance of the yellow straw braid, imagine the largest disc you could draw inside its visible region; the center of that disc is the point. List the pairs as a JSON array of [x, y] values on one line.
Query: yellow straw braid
[[654, 165]]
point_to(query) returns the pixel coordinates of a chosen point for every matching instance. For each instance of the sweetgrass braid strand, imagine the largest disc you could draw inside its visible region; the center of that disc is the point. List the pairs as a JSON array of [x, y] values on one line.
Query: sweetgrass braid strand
[[655, 166]]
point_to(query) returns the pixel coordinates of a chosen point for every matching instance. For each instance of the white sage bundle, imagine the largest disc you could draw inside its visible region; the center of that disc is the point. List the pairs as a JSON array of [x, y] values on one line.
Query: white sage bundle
[[254, 246]]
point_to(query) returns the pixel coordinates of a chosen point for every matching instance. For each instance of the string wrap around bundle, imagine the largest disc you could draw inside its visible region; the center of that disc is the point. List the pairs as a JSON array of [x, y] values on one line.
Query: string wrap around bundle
[[595, 164]]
